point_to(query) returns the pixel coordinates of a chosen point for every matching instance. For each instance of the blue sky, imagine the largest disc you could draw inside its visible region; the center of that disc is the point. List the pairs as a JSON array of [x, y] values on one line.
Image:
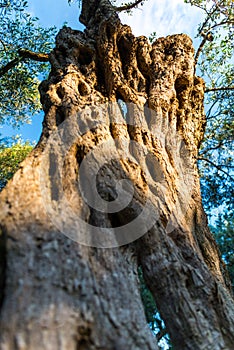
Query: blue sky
[[163, 17], [55, 12]]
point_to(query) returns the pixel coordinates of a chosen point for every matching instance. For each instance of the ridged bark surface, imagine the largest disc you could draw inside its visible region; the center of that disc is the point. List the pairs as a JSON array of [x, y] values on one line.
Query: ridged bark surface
[[59, 294]]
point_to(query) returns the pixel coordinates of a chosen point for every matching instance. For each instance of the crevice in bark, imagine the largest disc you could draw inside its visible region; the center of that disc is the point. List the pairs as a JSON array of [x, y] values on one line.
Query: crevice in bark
[[80, 154], [97, 289], [86, 56], [125, 216], [60, 115], [83, 89], [101, 78]]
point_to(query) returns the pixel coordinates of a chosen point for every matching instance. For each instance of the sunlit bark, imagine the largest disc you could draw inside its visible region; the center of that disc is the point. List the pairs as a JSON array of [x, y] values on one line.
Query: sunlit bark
[[59, 294]]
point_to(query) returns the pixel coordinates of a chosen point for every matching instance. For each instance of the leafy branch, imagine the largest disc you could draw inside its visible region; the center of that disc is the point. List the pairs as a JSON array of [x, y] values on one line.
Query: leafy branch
[[212, 16], [24, 54], [209, 16]]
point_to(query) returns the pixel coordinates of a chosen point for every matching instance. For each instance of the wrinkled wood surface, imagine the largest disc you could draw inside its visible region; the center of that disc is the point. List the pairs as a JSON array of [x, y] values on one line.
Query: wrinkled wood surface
[[59, 294]]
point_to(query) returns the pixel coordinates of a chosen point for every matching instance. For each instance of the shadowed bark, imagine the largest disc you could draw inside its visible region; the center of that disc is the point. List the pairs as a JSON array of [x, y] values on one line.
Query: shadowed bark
[[60, 294]]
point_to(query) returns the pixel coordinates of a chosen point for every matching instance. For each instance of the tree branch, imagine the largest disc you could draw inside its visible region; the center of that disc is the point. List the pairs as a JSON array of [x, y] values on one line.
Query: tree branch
[[221, 88], [4, 45], [221, 143], [208, 18], [10, 65], [219, 167], [128, 6], [212, 148], [220, 7], [35, 56], [199, 50], [220, 24], [208, 31], [210, 109], [24, 54]]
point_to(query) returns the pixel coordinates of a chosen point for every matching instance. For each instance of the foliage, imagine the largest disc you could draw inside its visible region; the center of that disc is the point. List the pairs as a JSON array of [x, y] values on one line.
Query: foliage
[[224, 234], [153, 37], [72, 1], [214, 57], [11, 155], [152, 315], [214, 63], [148, 302], [19, 86]]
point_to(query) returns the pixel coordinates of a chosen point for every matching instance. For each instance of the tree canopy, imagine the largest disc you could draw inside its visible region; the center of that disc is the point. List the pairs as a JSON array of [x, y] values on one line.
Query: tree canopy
[[11, 155], [24, 48], [214, 58]]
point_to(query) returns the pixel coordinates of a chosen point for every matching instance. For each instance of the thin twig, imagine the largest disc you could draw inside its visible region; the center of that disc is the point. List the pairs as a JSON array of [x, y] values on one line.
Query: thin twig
[[219, 167], [212, 148], [210, 109], [4, 45], [215, 115], [221, 88], [220, 8], [208, 18], [220, 24], [221, 143]]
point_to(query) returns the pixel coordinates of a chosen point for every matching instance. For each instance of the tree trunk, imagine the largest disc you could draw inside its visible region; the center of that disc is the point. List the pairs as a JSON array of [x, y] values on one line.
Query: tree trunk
[[111, 186]]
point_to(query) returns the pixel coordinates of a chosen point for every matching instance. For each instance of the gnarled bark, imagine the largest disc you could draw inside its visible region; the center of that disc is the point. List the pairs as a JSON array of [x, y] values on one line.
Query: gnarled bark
[[60, 294]]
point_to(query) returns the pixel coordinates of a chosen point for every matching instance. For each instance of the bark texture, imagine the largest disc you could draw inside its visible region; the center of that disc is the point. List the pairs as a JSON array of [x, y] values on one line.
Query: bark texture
[[58, 294]]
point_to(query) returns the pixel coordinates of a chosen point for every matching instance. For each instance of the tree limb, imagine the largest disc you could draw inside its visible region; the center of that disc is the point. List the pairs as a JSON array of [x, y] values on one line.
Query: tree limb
[[128, 6], [221, 88], [35, 56], [199, 50], [10, 65], [24, 54], [219, 167]]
